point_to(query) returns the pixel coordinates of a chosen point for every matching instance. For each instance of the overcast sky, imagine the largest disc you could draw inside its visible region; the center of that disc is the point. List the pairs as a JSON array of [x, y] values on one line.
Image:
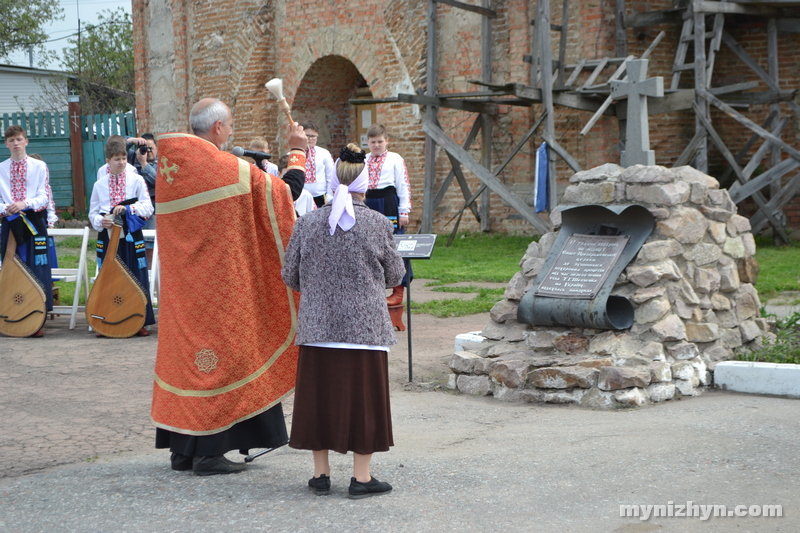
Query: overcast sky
[[62, 29]]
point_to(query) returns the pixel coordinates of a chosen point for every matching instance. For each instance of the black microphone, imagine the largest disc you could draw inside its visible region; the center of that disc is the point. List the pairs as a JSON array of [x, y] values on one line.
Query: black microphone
[[238, 151]]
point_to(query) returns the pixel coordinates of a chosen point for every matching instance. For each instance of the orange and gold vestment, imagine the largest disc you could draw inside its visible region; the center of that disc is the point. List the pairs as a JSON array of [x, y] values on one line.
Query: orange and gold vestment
[[227, 322]]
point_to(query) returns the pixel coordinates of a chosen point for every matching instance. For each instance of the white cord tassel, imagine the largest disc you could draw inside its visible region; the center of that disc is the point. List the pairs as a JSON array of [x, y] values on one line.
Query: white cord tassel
[[275, 86]]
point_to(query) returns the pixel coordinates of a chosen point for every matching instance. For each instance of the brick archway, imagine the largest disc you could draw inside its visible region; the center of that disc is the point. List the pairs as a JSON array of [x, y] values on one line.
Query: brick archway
[[323, 96]]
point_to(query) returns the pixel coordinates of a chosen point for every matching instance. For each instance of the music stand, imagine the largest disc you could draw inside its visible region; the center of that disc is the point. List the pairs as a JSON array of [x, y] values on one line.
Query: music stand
[[412, 247]]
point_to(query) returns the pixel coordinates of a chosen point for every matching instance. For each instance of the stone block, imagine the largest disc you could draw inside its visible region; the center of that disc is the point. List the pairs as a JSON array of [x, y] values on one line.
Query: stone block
[[730, 337], [505, 394], [698, 194], [683, 370], [749, 330], [604, 343], [512, 374], [660, 371], [597, 399], [659, 250], [651, 311], [734, 247], [596, 363], [467, 363], [646, 174], [716, 213], [564, 377], [718, 232], [758, 378], [726, 319], [729, 278], [667, 194], [687, 225], [571, 343], [532, 266], [646, 275], [746, 302], [702, 253], [540, 339], [706, 280], [614, 377], [590, 193], [683, 350], [717, 352], [692, 175], [634, 397], [722, 199], [737, 225], [605, 172], [660, 392], [545, 243], [492, 331], [573, 396], [653, 351], [647, 293], [474, 385], [504, 310], [749, 243], [748, 269], [704, 332], [515, 289], [452, 380], [688, 388], [701, 371], [659, 213], [683, 310], [533, 249], [720, 302], [670, 328]]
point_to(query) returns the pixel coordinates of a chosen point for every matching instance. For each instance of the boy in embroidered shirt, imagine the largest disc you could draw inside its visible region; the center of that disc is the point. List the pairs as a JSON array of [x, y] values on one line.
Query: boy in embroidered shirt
[[388, 191], [319, 166], [260, 144], [24, 185], [120, 183]]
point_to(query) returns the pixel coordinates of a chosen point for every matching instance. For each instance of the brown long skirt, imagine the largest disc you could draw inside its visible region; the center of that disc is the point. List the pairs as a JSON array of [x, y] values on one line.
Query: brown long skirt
[[342, 401]]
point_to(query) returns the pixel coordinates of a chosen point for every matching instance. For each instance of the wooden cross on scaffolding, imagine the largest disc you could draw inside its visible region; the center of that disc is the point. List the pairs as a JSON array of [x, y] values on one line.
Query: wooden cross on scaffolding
[[637, 132]]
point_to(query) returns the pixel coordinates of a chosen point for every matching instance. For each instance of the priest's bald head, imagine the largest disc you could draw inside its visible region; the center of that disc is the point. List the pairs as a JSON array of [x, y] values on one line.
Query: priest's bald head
[[212, 120]]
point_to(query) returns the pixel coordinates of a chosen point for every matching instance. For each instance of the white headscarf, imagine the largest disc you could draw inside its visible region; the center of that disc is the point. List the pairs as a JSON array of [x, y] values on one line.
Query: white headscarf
[[342, 212]]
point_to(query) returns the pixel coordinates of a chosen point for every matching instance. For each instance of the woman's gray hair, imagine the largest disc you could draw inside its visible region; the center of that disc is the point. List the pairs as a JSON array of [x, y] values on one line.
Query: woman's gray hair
[[201, 119]]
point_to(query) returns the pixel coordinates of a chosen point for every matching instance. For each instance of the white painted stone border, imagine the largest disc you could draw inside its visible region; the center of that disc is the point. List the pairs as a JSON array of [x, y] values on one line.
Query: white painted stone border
[[472, 336], [758, 378]]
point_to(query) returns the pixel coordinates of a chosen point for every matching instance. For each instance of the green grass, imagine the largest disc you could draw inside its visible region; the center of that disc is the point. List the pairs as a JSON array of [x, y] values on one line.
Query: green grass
[[786, 348], [779, 268], [473, 257], [68, 250]]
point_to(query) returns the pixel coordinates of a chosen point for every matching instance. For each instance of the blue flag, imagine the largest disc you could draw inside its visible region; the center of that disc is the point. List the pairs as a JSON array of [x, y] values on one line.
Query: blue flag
[[540, 191]]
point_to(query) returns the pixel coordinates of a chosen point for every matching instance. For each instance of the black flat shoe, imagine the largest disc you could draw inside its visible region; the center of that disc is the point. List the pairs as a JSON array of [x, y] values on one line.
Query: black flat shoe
[[180, 462], [210, 466], [321, 485], [373, 487]]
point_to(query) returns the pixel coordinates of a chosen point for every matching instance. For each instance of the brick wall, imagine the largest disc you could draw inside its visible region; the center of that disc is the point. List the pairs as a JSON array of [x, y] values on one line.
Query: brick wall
[[325, 53]]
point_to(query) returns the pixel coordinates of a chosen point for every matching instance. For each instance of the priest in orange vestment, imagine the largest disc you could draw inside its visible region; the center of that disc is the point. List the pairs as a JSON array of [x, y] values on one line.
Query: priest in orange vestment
[[226, 354]]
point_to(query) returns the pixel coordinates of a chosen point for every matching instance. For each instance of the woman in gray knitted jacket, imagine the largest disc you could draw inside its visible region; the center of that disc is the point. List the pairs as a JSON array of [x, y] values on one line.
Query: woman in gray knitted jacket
[[341, 258]]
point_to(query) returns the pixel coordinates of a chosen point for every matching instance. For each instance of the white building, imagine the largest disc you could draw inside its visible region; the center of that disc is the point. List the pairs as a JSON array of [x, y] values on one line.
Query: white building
[[25, 89]]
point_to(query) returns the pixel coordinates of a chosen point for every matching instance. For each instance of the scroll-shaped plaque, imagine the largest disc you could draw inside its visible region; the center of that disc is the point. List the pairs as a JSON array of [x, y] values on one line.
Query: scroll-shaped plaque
[[592, 249]]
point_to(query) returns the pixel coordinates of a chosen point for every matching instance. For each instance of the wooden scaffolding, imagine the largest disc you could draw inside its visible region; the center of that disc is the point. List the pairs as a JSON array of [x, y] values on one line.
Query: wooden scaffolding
[[586, 85]]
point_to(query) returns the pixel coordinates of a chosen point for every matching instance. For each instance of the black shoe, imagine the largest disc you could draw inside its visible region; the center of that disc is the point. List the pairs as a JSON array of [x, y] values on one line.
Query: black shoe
[[218, 464], [321, 485], [180, 462], [373, 487]]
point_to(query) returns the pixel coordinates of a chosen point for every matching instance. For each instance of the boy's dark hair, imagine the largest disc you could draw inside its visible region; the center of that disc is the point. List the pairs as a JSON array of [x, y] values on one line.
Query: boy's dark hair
[[309, 125], [149, 137], [115, 145], [283, 162], [376, 130], [14, 130]]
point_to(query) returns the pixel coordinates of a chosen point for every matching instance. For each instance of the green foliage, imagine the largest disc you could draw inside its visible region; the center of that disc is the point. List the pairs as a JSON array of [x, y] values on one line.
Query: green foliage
[[22, 24], [785, 349], [102, 63], [474, 257], [778, 265]]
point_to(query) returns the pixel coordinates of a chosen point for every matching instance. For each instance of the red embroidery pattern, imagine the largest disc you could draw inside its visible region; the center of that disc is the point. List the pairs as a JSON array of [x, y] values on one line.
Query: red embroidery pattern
[[19, 181], [311, 166], [116, 187], [375, 166]]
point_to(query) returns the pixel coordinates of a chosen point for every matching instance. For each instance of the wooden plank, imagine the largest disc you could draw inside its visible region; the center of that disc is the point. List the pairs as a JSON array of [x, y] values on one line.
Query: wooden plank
[[473, 132], [652, 18], [768, 178], [700, 83], [680, 54], [486, 128], [744, 150], [718, 142], [465, 105], [744, 121], [759, 220], [429, 177], [772, 67], [713, 46], [557, 148], [543, 10], [494, 184], [595, 73], [737, 49], [690, 149], [467, 7], [729, 8], [789, 25], [562, 43], [575, 73], [462, 182]]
